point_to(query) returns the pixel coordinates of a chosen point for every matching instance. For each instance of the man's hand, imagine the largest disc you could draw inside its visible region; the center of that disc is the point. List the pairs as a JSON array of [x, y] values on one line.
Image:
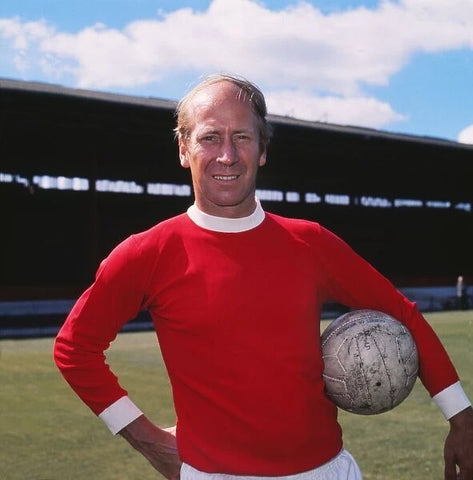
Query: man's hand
[[157, 445], [459, 446]]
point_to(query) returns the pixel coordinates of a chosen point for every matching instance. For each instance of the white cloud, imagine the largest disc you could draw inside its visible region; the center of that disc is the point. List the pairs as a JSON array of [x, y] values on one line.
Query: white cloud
[[23, 39], [466, 135], [331, 58], [361, 111], [104, 57]]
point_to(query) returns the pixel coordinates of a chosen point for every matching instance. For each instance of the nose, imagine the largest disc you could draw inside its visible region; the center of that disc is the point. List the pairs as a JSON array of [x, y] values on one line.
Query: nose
[[228, 154]]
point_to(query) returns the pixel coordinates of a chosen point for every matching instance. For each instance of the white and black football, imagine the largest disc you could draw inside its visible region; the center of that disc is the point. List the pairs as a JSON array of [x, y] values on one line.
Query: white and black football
[[371, 362]]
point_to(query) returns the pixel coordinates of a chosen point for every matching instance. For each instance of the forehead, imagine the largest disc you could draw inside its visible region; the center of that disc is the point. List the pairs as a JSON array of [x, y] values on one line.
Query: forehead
[[221, 103]]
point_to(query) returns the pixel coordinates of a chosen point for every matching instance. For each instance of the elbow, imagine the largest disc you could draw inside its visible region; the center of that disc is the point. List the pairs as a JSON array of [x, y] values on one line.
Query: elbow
[[58, 352], [62, 352]]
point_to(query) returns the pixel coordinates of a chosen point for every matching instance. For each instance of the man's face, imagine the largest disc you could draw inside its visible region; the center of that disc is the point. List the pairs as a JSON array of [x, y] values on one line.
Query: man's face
[[222, 151]]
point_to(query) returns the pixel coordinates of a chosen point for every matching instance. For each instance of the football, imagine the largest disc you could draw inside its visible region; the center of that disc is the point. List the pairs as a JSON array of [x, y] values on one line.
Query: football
[[371, 362]]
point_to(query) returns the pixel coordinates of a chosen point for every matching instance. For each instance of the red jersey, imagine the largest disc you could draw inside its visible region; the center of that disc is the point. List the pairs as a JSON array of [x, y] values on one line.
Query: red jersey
[[237, 314]]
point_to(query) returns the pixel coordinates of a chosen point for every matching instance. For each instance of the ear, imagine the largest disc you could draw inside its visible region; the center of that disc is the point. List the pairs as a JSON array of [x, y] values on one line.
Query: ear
[[183, 153], [262, 158]]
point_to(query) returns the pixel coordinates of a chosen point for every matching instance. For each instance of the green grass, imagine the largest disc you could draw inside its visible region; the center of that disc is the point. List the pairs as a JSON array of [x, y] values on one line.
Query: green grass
[[46, 433]]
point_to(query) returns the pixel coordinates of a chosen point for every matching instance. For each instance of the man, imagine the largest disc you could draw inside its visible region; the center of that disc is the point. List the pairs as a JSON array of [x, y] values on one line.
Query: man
[[462, 297], [235, 295]]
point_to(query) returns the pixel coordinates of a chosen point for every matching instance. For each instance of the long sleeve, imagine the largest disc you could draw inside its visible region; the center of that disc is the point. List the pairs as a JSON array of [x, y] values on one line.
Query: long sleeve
[[354, 282], [116, 297]]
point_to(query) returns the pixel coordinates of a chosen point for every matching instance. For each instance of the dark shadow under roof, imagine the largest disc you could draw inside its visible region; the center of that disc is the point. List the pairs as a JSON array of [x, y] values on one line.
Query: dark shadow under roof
[[151, 102]]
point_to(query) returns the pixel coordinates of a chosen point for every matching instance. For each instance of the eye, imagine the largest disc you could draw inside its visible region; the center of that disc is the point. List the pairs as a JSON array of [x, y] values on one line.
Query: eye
[[210, 138], [242, 137]]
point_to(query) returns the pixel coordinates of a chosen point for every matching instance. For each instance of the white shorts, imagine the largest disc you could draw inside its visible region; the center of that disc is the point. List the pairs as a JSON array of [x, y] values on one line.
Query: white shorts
[[341, 467]]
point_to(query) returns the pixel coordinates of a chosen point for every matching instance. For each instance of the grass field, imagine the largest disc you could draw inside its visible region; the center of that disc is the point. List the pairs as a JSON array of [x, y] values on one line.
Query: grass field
[[48, 434]]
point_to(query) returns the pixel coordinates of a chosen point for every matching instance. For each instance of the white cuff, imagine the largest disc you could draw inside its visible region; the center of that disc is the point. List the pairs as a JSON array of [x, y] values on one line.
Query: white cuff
[[119, 414], [451, 400]]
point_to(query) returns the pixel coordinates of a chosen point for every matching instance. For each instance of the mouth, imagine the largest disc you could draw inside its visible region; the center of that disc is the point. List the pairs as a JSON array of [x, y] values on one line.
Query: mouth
[[225, 178]]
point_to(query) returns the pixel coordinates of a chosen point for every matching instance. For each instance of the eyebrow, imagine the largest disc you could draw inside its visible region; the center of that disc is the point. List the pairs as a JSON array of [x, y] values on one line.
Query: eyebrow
[[208, 130]]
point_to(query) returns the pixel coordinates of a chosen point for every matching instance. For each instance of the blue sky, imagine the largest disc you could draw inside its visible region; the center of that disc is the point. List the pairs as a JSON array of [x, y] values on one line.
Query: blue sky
[[395, 65]]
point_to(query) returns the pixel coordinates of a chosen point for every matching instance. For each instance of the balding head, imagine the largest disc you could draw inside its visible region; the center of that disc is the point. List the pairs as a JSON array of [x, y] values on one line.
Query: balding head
[[244, 90]]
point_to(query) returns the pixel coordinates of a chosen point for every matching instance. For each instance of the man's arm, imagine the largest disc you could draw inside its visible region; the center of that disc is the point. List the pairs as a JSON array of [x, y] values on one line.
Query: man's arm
[[157, 445], [115, 297], [437, 372], [458, 449]]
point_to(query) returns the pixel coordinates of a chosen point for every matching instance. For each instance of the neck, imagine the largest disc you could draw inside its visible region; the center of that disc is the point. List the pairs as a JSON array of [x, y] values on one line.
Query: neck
[[224, 224]]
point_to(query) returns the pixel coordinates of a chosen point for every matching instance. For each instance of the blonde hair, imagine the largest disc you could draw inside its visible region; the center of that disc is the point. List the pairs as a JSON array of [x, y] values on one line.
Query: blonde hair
[[247, 91]]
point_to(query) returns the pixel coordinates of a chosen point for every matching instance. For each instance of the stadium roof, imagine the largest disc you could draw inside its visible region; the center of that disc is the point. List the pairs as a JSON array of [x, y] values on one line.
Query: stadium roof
[[152, 102]]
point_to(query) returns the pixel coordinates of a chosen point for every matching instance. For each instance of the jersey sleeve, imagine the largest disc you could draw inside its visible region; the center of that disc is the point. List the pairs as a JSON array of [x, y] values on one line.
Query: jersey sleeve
[[354, 282], [116, 297]]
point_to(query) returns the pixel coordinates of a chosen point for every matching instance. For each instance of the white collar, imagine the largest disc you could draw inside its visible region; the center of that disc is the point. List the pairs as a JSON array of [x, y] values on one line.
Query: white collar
[[226, 225]]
